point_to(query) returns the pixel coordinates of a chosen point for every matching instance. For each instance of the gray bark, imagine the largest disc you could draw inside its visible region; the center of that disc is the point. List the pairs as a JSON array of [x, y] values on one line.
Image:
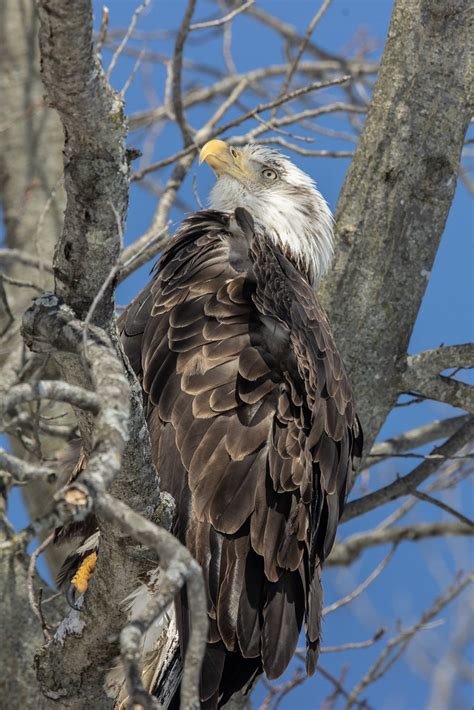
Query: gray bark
[[31, 192], [397, 194], [390, 218]]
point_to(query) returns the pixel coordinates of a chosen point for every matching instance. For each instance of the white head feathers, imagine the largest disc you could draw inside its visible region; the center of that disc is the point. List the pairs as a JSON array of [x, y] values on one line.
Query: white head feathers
[[281, 198]]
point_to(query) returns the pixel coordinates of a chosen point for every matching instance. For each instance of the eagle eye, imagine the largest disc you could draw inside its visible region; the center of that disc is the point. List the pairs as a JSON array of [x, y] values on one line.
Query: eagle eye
[[269, 174]]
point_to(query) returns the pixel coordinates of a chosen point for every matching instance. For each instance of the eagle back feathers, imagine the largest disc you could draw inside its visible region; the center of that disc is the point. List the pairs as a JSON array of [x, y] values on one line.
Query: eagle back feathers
[[253, 429]]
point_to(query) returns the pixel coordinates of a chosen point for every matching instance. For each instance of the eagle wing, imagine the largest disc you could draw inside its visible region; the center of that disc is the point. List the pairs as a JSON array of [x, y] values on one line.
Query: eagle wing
[[253, 431]]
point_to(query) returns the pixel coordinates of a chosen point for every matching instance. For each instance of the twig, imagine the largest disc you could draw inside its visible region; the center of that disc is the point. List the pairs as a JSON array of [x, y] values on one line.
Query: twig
[[225, 85], [355, 645], [56, 390], [196, 193], [406, 484], [443, 506], [386, 660], [363, 705], [307, 151], [132, 74], [361, 587], [304, 43], [141, 251], [20, 283], [278, 692], [429, 457], [36, 606], [22, 257], [176, 94], [346, 552], [180, 568], [438, 429], [422, 375], [126, 37], [316, 86], [23, 471], [104, 27], [221, 20]]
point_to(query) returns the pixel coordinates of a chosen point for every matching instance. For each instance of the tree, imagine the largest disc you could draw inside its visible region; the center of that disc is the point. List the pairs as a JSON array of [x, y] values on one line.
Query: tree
[[390, 218]]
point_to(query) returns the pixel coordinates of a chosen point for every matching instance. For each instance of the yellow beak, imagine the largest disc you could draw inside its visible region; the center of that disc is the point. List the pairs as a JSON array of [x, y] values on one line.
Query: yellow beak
[[213, 150], [222, 159]]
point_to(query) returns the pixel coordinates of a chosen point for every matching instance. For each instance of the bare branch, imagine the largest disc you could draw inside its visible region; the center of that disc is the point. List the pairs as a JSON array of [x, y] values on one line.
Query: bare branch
[[50, 389], [307, 151], [422, 375], [355, 645], [362, 586], [48, 324], [125, 38], [447, 508], [222, 20], [236, 122], [225, 86], [431, 362], [363, 705], [177, 66], [181, 569], [405, 485], [36, 605], [22, 257], [397, 644], [303, 45], [344, 553], [103, 30], [22, 470], [438, 429]]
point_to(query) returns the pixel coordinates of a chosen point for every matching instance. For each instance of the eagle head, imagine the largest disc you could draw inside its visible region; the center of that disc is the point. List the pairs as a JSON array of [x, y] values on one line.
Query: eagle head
[[283, 201]]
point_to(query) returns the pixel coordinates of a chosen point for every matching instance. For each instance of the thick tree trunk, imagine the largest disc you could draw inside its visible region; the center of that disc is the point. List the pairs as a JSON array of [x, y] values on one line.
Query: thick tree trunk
[[397, 194]]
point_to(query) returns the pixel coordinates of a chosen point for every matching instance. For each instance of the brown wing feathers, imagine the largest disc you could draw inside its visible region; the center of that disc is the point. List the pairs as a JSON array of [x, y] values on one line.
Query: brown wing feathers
[[253, 432]]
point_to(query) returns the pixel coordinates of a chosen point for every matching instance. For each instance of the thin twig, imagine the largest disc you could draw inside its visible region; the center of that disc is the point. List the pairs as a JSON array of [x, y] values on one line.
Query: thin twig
[[385, 659], [20, 284], [132, 74], [354, 645], [406, 484], [315, 86], [362, 586], [177, 97], [104, 27], [346, 552], [22, 257], [443, 506], [363, 705], [31, 592], [126, 37], [412, 439], [304, 43], [307, 152], [221, 20]]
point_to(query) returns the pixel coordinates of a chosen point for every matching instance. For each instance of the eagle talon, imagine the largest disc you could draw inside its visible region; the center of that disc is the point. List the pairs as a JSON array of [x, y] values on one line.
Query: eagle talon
[[73, 598]]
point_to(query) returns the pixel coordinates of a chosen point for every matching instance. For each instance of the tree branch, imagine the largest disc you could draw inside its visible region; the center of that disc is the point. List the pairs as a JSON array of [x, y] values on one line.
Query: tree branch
[[394, 202], [396, 645], [438, 429], [405, 485], [344, 553], [96, 167]]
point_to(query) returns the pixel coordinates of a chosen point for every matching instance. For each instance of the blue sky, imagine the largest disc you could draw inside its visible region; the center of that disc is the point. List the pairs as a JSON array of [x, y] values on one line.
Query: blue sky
[[418, 572]]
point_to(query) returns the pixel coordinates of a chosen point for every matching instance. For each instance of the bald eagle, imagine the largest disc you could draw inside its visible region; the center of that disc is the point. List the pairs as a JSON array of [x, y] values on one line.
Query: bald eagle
[[251, 416]]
